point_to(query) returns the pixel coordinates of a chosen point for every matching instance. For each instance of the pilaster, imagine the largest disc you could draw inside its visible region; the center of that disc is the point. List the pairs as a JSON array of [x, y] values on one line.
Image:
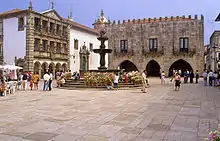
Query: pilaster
[[29, 59]]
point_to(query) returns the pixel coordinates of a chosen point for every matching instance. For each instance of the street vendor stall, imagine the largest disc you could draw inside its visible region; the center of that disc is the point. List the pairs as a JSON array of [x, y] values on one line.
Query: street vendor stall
[[9, 77]]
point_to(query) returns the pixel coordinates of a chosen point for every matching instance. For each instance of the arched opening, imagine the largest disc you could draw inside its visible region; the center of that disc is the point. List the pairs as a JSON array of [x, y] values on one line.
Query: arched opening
[[64, 67], [37, 67], [51, 67], [180, 65], [153, 68], [44, 68], [58, 67], [128, 66]]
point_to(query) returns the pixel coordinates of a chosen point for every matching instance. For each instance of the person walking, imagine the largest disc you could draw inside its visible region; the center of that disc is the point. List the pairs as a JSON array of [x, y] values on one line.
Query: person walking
[[116, 78], [46, 81], [185, 76], [36, 80], [205, 75], [30, 79], [197, 76], [210, 75], [144, 84], [163, 77], [215, 77], [177, 82], [191, 76], [50, 81], [24, 81]]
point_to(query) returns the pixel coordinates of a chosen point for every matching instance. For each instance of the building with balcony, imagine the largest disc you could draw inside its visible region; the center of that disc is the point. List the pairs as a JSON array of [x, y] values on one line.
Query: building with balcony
[[213, 52], [155, 45], [41, 42]]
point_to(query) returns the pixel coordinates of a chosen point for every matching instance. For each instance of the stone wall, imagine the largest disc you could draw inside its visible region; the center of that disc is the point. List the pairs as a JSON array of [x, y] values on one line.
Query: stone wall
[[167, 31]]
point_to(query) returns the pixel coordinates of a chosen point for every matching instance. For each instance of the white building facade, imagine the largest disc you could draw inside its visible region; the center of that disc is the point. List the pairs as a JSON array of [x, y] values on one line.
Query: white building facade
[[82, 42]]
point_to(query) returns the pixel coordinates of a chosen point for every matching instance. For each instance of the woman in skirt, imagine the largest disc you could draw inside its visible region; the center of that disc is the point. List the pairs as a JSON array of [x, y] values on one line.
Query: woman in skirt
[[177, 82]]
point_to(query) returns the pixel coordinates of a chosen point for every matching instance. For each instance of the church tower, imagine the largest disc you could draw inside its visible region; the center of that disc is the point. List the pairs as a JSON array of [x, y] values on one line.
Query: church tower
[[102, 22]]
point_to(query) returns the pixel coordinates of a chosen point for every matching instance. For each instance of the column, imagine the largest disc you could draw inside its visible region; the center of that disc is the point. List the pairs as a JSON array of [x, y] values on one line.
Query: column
[[29, 59]]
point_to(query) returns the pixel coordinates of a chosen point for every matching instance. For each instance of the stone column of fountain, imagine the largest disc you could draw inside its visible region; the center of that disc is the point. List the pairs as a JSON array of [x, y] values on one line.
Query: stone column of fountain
[[102, 51]]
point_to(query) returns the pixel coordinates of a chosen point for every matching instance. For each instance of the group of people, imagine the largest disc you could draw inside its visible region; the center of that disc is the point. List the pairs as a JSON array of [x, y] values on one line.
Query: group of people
[[27, 78], [213, 78]]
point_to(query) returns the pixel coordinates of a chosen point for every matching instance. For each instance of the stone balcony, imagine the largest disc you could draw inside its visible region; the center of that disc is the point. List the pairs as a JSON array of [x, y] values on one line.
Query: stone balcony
[[49, 55], [125, 53], [153, 52], [184, 53]]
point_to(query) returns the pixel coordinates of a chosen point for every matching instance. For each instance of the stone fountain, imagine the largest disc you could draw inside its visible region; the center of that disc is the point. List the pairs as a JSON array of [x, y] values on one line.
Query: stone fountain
[[102, 51]]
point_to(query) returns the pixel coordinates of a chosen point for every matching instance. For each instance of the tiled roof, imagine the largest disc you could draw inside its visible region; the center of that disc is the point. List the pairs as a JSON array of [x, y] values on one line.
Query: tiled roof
[[83, 27], [74, 24], [10, 12]]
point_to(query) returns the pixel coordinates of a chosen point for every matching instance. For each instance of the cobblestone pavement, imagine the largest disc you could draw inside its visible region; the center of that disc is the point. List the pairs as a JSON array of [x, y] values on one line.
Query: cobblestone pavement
[[92, 115]]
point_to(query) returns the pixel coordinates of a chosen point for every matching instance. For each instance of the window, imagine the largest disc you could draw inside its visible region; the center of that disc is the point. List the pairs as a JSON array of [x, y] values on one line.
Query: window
[[51, 46], [219, 56], [58, 48], [153, 44], [45, 25], [64, 31], [20, 23], [58, 29], [65, 49], [1, 28], [91, 47], [36, 44], [184, 43], [51, 27], [124, 46], [44, 45], [37, 24], [76, 44]]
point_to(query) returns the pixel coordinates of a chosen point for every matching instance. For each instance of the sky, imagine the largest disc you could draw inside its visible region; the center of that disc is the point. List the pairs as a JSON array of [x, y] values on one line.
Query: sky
[[86, 11]]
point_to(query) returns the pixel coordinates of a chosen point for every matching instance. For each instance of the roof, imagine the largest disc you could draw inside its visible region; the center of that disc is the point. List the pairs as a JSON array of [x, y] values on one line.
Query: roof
[[11, 12], [74, 24], [53, 11], [217, 18], [215, 32], [83, 27]]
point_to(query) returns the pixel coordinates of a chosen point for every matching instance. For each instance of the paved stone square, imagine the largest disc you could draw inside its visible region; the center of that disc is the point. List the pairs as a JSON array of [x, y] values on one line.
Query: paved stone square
[[94, 115]]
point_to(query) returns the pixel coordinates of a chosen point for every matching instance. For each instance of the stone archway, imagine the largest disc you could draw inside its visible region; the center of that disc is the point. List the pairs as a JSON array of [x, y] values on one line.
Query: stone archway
[[180, 65], [64, 67], [51, 68], [153, 68], [37, 67], [58, 67], [44, 68], [128, 66]]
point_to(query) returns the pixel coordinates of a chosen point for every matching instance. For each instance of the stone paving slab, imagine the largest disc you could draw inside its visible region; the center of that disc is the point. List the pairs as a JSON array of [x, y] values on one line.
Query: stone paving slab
[[161, 114]]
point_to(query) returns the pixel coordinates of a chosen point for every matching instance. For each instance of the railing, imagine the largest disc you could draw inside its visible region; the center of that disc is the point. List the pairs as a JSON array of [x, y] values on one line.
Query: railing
[[154, 52], [124, 52], [50, 55], [184, 52]]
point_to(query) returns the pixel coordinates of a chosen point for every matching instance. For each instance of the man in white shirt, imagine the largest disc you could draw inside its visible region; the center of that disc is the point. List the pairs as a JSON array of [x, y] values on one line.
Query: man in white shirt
[[116, 81], [144, 84], [46, 81]]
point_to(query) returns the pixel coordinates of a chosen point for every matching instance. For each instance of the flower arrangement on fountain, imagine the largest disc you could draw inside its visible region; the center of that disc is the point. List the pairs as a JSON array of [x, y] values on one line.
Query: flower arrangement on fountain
[[134, 77], [67, 75], [97, 78]]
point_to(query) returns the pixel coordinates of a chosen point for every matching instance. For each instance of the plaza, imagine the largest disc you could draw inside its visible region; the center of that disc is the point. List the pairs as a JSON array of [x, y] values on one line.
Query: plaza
[[97, 115]]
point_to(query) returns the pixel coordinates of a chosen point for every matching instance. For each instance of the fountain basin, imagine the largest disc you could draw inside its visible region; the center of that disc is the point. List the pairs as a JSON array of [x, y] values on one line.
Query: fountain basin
[[102, 50]]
